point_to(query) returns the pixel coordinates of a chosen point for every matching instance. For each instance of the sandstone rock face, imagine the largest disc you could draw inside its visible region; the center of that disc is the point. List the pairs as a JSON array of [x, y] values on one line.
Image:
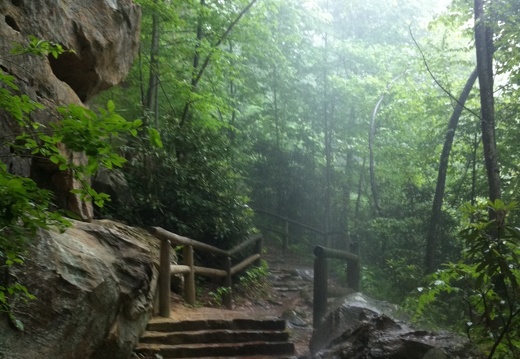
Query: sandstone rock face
[[362, 328], [94, 286], [104, 35]]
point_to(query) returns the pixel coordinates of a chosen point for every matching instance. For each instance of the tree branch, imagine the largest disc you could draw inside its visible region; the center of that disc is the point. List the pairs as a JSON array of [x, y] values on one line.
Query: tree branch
[[435, 79], [195, 81]]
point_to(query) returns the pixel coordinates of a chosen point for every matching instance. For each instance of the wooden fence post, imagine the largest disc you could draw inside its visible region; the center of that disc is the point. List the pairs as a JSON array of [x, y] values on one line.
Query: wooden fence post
[[320, 289], [228, 284], [285, 237], [164, 279], [258, 249], [354, 269], [189, 278]]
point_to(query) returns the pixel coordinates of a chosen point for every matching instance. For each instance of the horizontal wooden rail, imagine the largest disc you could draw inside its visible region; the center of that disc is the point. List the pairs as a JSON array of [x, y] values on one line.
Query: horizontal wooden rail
[[320, 251], [210, 272], [245, 263], [189, 269], [185, 241], [285, 219], [179, 269], [284, 231], [240, 247]]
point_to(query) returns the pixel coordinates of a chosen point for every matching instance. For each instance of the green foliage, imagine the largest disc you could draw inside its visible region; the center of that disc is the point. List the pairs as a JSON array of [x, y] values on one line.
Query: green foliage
[[254, 275], [195, 189], [40, 47], [485, 281], [253, 282], [23, 211], [80, 130], [217, 297], [24, 208]]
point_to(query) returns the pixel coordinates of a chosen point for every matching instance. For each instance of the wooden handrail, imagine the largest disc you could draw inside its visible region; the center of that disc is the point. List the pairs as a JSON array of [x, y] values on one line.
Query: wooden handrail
[[185, 241], [244, 245], [188, 269], [285, 231], [321, 277]]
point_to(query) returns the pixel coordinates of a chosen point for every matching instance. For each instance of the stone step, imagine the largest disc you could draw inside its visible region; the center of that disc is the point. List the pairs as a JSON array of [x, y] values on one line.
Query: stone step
[[248, 357], [215, 324], [214, 336], [271, 349]]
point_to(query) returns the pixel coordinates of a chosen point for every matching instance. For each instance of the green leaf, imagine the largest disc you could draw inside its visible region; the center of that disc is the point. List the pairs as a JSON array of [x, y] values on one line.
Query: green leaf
[[18, 324], [155, 138], [111, 107]]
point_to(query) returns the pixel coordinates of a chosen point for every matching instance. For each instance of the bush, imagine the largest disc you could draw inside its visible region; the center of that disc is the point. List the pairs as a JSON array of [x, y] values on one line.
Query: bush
[[486, 282]]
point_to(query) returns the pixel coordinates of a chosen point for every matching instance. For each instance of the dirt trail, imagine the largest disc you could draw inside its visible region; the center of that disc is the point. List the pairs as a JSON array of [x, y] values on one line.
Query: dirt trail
[[290, 297]]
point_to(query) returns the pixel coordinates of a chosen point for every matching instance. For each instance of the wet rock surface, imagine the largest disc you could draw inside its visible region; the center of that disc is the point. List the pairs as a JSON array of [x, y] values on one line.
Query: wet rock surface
[[362, 328], [94, 287]]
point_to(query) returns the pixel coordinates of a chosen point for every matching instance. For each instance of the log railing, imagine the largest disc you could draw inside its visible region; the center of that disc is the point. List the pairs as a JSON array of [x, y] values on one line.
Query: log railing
[[321, 277], [326, 237], [189, 269]]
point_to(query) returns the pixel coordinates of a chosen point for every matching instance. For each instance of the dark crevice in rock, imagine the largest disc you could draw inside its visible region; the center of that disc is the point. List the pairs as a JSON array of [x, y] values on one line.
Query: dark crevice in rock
[[78, 73], [9, 20], [78, 69], [17, 3]]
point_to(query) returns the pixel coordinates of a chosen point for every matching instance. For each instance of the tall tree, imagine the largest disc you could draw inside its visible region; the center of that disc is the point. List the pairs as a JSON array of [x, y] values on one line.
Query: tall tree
[[432, 235], [152, 102], [485, 49]]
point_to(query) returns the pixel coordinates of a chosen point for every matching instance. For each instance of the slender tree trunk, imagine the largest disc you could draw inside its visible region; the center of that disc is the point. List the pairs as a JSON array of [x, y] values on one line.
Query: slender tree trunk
[[327, 140], [152, 103], [432, 237], [484, 49], [473, 193], [198, 40], [280, 162], [359, 191], [372, 165], [202, 68], [232, 94], [141, 79], [345, 217], [195, 64]]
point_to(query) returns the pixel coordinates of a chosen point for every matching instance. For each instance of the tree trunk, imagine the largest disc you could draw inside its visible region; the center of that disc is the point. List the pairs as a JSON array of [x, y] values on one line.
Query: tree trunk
[[484, 49], [432, 238], [359, 192], [372, 165], [327, 138], [152, 103], [347, 188], [197, 76]]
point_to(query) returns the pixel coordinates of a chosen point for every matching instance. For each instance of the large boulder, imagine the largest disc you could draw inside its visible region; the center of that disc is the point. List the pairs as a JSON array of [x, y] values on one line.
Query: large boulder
[[94, 286], [104, 37], [363, 328]]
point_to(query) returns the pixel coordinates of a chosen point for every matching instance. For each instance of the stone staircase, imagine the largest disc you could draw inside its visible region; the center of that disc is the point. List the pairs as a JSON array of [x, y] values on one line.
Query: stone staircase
[[215, 338]]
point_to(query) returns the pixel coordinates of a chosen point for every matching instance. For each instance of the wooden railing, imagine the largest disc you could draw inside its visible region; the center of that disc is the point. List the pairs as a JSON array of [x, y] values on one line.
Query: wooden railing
[[189, 269], [324, 237], [321, 277]]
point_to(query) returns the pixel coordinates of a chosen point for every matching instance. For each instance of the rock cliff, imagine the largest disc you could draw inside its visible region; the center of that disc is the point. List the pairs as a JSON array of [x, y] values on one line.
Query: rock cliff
[[94, 288], [94, 284], [104, 35]]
